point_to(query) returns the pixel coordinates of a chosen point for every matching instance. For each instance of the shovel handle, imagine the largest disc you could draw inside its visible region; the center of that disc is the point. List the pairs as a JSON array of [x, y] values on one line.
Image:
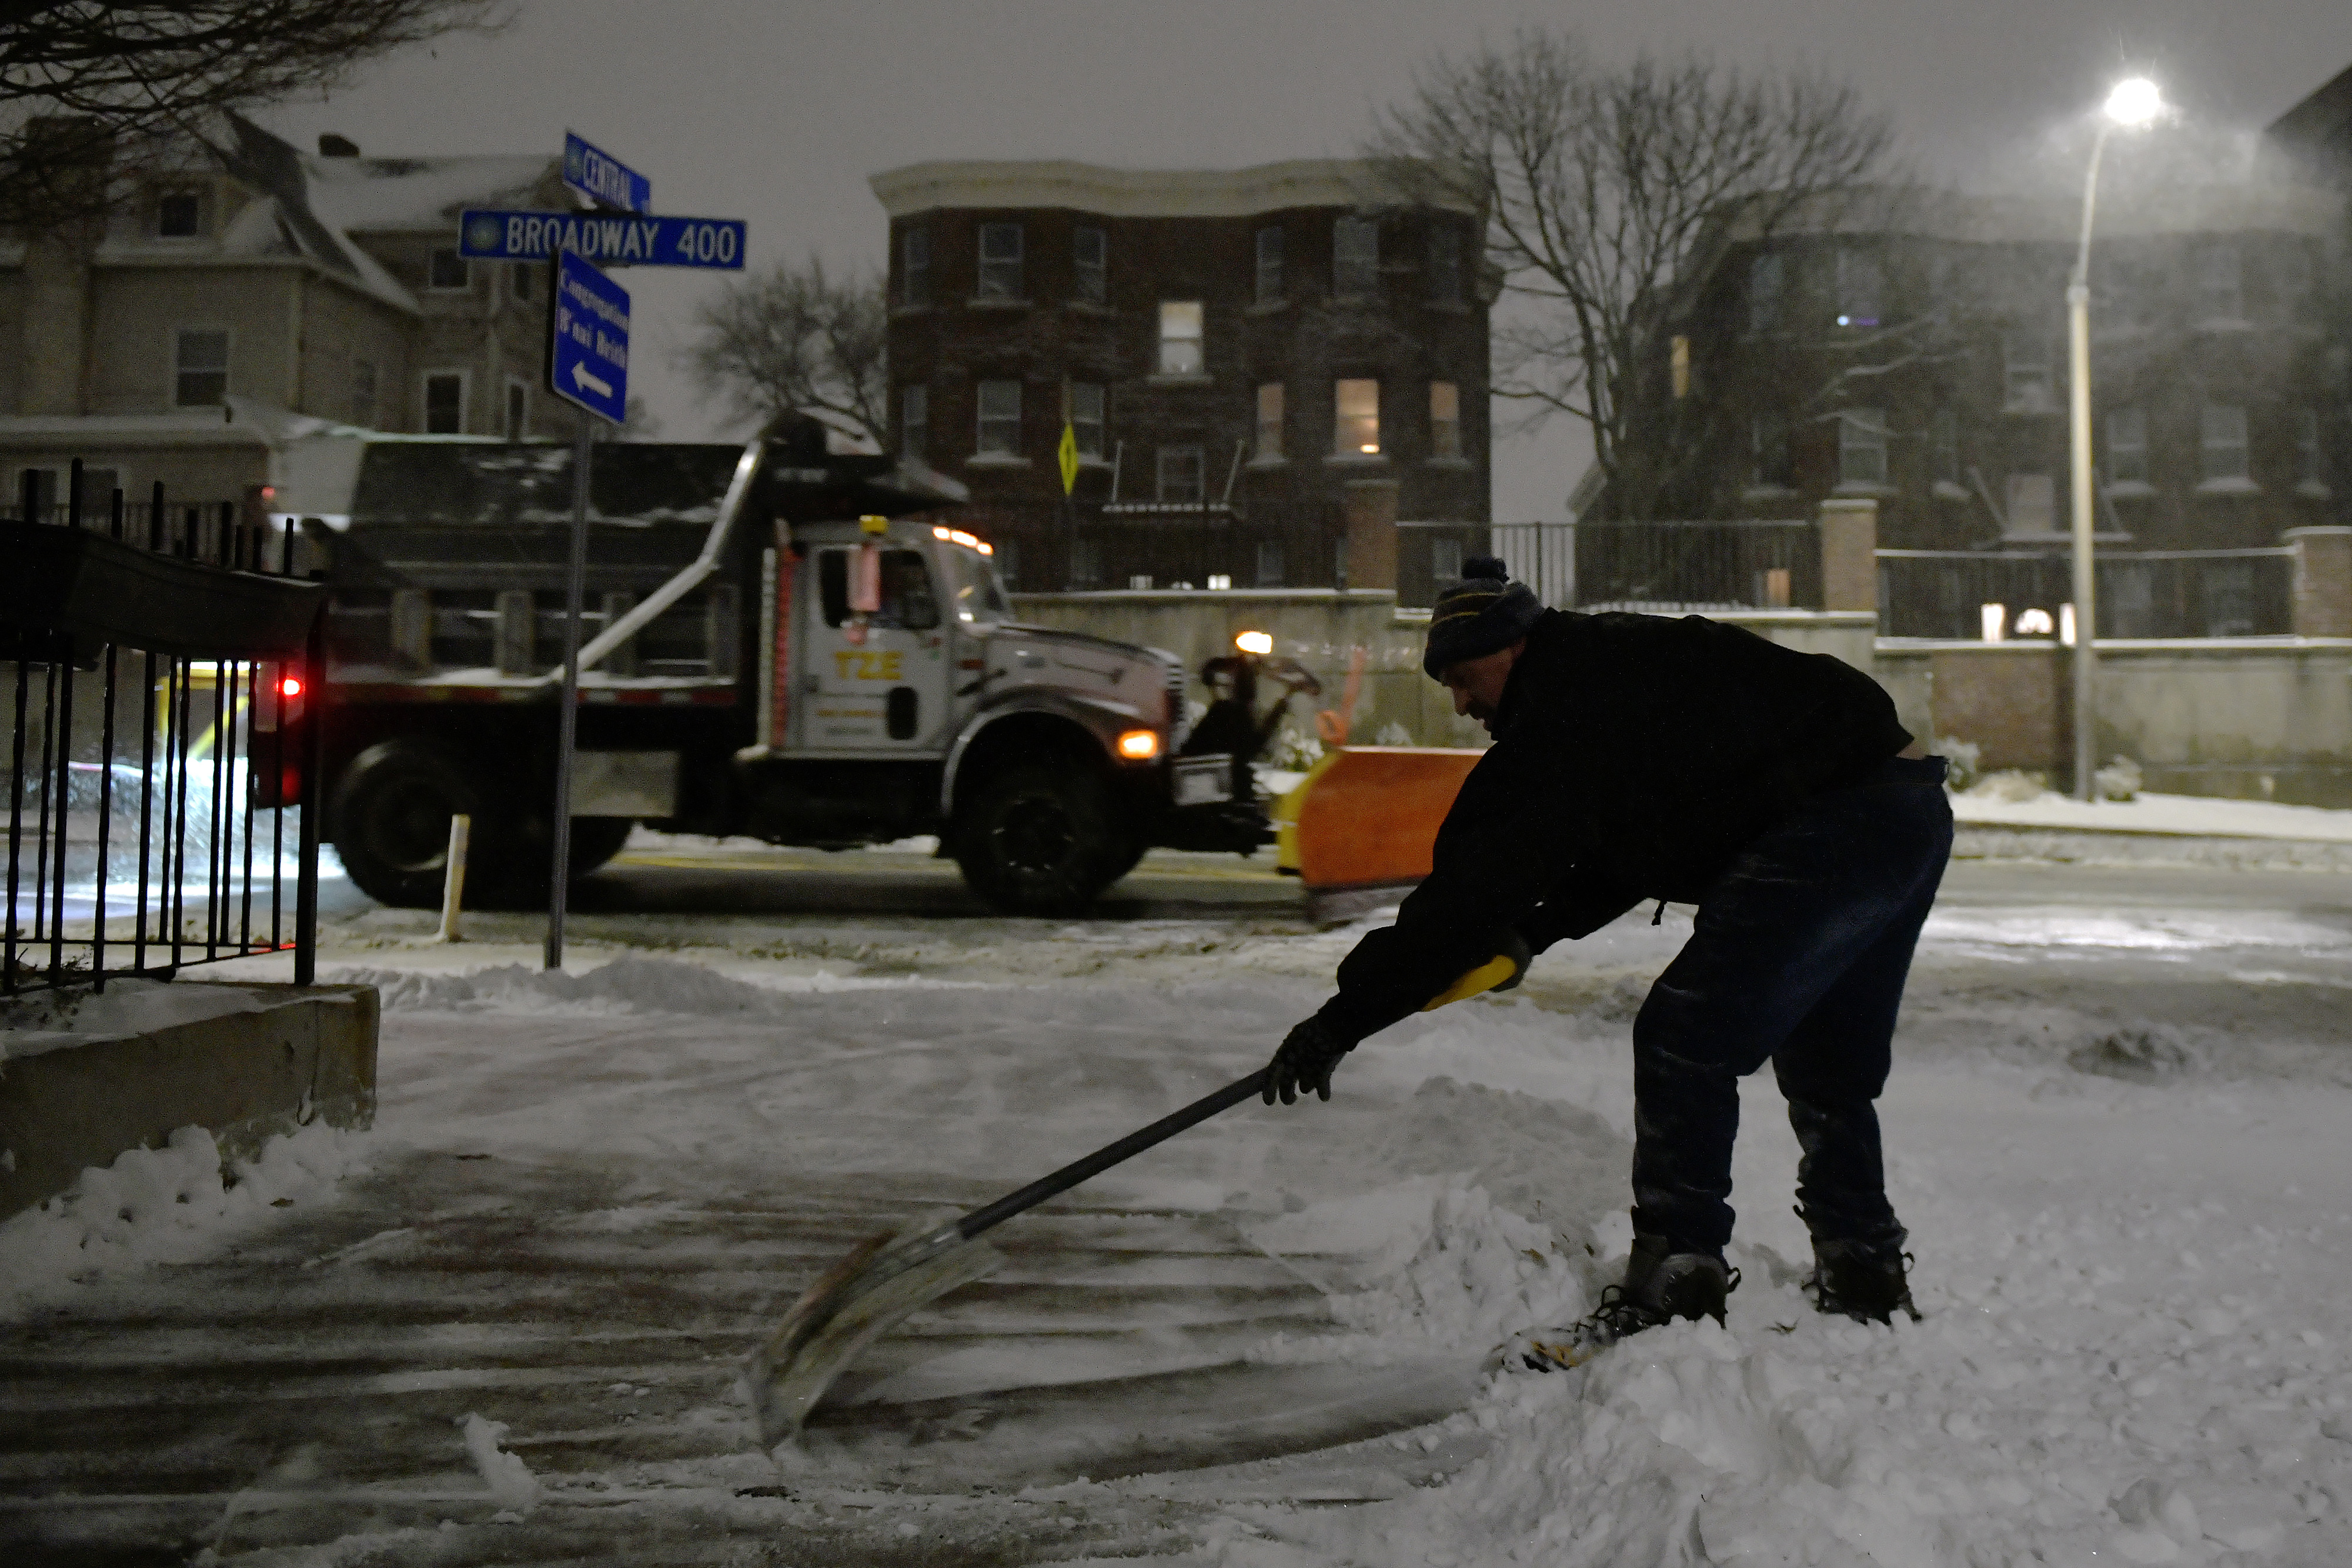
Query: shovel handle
[[1109, 1154]]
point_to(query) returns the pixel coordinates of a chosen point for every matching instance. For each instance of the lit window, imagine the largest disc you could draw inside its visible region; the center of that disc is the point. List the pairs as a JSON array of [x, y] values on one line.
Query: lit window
[[448, 270], [1860, 283], [1090, 254], [915, 268], [1180, 476], [363, 392], [1862, 447], [180, 214], [2128, 446], [2309, 468], [1180, 337], [518, 410], [1444, 420], [1354, 258], [202, 367], [1357, 404], [915, 423], [2025, 363], [1000, 261], [2221, 283], [1000, 419], [444, 403], [1764, 280], [1445, 265], [1269, 422], [1086, 419], [1944, 446], [1269, 266], [2222, 430]]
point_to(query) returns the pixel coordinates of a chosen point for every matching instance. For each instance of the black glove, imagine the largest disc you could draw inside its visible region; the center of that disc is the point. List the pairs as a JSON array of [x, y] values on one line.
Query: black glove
[[1305, 1061]]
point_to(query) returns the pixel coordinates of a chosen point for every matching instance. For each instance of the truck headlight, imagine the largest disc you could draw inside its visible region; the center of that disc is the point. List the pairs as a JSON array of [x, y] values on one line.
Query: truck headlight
[[1258, 642], [1140, 745]]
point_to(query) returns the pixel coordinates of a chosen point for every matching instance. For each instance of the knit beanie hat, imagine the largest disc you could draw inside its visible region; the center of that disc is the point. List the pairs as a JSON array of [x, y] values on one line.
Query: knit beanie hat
[[1481, 613]]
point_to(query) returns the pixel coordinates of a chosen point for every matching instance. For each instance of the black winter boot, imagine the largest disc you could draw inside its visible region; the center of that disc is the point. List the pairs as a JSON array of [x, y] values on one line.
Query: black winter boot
[[1660, 1286], [1857, 1281]]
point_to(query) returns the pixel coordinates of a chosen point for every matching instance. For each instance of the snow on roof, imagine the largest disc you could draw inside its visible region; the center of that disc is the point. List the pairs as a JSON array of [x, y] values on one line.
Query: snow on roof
[[1138, 193], [420, 195]]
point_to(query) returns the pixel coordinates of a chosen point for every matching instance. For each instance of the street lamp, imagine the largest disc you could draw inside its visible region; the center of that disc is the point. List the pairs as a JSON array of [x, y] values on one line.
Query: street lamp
[[2133, 103]]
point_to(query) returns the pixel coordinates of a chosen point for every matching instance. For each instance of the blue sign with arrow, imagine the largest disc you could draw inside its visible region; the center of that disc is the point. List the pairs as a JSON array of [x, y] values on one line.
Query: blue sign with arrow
[[604, 179], [609, 239], [588, 342]]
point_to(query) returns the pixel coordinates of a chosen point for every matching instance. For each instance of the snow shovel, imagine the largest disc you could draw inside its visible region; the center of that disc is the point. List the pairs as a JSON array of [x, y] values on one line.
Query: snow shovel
[[888, 1278]]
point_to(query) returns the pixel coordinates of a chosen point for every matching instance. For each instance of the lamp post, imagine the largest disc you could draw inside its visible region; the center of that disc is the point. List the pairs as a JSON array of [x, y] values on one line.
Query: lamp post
[[2133, 103]]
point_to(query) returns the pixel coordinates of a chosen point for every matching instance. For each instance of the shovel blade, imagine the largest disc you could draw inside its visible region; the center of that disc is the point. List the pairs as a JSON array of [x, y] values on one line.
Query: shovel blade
[[884, 1280]]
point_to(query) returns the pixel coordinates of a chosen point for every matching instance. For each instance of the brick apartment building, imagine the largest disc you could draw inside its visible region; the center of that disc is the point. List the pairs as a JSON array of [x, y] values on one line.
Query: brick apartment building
[[232, 299], [1263, 369]]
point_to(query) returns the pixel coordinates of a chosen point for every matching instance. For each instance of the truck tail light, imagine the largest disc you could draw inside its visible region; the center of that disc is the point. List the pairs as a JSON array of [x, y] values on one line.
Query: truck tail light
[[278, 696], [1140, 745]]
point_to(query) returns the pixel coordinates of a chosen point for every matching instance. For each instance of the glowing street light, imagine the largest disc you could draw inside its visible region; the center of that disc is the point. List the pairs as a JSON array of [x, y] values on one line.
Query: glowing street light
[[2132, 103]]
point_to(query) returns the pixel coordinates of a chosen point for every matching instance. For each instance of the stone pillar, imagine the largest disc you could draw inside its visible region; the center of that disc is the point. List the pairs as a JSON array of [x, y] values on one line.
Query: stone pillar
[[1850, 554], [2323, 580], [1370, 508]]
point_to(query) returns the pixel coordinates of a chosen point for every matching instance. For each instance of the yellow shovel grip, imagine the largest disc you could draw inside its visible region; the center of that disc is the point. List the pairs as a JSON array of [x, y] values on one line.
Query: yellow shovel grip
[[1484, 977]]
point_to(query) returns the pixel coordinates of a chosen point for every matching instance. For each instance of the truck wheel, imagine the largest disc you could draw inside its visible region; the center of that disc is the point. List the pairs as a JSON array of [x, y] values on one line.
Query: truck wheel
[[595, 839], [1039, 840], [391, 818]]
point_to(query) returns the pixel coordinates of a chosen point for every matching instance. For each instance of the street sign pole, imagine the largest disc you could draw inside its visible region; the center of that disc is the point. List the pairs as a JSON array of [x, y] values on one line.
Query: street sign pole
[[567, 724]]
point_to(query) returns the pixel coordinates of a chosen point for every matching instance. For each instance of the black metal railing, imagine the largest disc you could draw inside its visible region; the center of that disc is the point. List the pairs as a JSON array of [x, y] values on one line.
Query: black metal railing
[[2141, 593], [1666, 567], [157, 682]]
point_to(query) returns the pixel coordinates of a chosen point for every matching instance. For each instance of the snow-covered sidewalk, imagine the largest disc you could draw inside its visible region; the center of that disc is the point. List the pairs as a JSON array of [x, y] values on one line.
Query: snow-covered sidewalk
[[2187, 815]]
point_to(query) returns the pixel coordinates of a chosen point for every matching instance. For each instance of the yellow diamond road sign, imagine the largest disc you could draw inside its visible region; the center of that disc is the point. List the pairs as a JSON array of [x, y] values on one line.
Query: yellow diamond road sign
[[1068, 454]]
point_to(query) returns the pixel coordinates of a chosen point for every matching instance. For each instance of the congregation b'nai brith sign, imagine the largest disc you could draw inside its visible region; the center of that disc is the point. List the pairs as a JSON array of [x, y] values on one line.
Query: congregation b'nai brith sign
[[608, 239]]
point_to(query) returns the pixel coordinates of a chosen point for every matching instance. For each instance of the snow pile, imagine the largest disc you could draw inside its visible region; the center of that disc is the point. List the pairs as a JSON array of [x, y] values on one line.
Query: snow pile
[[628, 984], [510, 1480], [160, 1206]]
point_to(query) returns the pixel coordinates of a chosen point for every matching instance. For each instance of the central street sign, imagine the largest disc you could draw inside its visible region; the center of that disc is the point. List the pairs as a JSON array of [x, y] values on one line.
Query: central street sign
[[588, 342], [601, 177], [608, 239]]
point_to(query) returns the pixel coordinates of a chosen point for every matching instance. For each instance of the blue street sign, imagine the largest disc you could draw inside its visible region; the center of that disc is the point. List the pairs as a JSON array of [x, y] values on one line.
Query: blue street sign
[[601, 177], [588, 342], [609, 240]]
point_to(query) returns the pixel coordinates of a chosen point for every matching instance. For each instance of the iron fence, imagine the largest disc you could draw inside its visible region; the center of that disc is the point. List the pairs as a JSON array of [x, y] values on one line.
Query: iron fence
[[1977, 594], [1666, 567], [158, 692]]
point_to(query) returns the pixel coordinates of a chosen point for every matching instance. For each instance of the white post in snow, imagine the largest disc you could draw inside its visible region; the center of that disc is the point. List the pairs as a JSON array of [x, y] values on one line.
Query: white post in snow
[[453, 878]]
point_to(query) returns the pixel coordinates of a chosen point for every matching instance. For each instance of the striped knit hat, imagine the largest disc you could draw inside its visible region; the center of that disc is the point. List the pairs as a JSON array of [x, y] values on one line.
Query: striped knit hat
[[1477, 615]]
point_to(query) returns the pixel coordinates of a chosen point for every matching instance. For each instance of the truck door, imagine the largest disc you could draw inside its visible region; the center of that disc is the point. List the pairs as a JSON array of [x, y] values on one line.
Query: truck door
[[875, 683]]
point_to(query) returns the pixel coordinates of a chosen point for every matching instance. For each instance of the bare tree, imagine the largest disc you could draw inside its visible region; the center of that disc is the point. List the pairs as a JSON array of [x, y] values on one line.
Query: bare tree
[[1606, 189], [791, 338], [85, 84]]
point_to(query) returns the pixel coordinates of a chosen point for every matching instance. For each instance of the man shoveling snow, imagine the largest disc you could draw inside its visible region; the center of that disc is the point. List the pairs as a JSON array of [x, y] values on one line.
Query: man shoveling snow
[[1635, 757]]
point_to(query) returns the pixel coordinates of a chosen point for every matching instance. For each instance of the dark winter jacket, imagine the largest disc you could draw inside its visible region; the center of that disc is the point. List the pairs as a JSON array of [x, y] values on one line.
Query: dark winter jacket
[[1635, 755]]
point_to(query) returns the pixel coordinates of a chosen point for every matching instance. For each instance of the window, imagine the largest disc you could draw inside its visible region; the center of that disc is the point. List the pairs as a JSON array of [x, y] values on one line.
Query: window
[[1090, 254], [1766, 275], [1944, 447], [1445, 559], [1086, 562], [200, 362], [2128, 446], [1269, 422], [1354, 258], [1086, 419], [363, 410], [915, 423], [915, 268], [444, 403], [448, 270], [1444, 420], [1357, 430], [1269, 563], [2221, 440], [518, 410], [2032, 504], [1000, 419], [2294, 276], [1862, 447], [2026, 368], [1180, 480], [1008, 569], [1767, 438], [2229, 599], [2220, 284], [1861, 280], [2310, 472], [180, 214], [1445, 265], [1000, 261], [908, 601], [1269, 266], [519, 282], [1180, 337]]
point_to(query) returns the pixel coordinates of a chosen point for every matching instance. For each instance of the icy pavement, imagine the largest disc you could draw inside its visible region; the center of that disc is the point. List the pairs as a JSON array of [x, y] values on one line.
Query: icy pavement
[[508, 1332]]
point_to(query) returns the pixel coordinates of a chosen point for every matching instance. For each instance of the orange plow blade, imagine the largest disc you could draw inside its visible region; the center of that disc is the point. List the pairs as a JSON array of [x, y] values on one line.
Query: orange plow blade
[[1363, 822]]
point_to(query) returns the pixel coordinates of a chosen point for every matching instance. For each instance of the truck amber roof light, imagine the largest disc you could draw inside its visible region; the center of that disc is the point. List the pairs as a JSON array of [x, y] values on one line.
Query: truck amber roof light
[[939, 533], [1138, 745], [873, 525], [1260, 643]]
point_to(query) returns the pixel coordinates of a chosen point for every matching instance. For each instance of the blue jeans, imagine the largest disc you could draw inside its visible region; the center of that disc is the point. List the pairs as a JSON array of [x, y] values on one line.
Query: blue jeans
[[1798, 957]]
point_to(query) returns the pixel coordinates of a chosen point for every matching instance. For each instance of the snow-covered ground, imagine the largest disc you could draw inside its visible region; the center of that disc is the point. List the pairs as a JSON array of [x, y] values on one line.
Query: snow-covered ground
[[503, 1326]]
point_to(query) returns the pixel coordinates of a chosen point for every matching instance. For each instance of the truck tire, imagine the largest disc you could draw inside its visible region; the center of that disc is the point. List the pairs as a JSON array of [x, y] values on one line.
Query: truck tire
[[391, 814], [1041, 841], [596, 839]]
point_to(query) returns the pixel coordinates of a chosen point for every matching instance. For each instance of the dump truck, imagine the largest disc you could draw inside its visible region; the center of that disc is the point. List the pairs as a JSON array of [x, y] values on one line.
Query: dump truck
[[790, 641]]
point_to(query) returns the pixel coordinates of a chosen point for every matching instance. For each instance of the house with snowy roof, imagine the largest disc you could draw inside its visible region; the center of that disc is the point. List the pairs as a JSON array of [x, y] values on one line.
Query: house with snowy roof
[[244, 292]]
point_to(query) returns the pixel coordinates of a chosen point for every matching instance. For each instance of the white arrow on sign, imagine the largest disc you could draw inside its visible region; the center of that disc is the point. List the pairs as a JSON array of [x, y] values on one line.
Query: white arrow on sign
[[580, 377]]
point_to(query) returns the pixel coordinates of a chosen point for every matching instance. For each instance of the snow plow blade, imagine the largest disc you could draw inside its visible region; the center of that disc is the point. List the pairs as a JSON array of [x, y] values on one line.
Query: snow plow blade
[[1359, 828]]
